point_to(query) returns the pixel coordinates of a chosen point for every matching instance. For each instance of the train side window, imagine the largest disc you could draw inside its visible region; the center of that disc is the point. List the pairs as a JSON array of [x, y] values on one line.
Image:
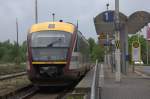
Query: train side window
[[74, 58], [75, 50]]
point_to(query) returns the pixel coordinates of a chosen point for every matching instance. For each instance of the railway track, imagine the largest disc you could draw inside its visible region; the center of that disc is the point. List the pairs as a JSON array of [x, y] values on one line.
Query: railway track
[[41, 95], [13, 83], [49, 92], [19, 93], [32, 92]]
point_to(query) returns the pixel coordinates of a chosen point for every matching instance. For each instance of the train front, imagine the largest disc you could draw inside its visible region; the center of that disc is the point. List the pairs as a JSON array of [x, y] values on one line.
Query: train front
[[48, 49]]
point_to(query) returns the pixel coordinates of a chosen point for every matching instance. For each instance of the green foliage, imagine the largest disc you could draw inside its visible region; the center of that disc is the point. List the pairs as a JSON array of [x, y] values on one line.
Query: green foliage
[[10, 53], [11, 68], [92, 44], [96, 52], [142, 41]]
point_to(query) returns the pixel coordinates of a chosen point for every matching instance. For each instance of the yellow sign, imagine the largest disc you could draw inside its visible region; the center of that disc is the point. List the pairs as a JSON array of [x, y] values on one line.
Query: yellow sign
[[117, 43], [136, 44], [102, 36]]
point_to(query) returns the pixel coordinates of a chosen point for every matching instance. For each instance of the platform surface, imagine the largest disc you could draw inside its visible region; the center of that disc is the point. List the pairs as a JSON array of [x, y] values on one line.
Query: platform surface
[[132, 86], [86, 82]]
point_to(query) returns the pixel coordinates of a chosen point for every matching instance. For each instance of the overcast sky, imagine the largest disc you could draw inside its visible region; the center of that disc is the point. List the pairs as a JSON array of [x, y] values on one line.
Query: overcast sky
[[68, 10]]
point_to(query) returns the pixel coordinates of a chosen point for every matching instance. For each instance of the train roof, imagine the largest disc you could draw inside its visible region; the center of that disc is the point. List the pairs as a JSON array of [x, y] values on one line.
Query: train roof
[[60, 26]]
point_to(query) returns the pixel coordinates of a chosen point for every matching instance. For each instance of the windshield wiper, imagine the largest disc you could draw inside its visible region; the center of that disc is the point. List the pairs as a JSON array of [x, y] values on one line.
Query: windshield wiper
[[54, 42]]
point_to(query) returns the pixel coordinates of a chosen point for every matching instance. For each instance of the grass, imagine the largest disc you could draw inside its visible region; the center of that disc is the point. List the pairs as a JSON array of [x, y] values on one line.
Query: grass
[[75, 97], [10, 85], [11, 68]]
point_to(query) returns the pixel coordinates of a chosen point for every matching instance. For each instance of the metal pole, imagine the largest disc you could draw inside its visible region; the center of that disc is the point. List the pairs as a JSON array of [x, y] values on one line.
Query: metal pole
[[139, 36], [53, 14], [117, 41], [107, 49], [126, 49], [147, 51], [36, 11], [113, 53], [17, 30], [107, 40], [147, 45], [107, 6], [17, 50]]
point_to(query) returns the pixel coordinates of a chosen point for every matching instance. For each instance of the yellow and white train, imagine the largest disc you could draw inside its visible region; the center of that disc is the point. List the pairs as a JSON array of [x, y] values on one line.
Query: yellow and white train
[[58, 54]]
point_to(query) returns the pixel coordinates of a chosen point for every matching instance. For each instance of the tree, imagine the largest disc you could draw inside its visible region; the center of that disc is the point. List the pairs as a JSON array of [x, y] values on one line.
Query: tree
[[10, 53], [2, 52], [96, 52], [92, 44], [23, 50]]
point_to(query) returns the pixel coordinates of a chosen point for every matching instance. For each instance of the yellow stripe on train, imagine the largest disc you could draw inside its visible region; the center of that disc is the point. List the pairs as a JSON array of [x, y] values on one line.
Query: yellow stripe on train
[[49, 62], [60, 26]]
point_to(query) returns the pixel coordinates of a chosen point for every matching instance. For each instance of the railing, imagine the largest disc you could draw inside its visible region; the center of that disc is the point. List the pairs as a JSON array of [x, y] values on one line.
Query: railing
[[98, 81], [95, 82]]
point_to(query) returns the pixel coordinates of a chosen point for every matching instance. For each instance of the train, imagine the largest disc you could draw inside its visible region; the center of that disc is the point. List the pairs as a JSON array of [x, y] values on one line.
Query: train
[[58, 54]]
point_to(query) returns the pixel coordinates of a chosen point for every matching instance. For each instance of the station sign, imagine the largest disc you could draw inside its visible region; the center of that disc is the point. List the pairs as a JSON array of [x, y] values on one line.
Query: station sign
[[148, 33], [136, 51], [136, 44], [107, 43], [108, 16], [104, 42], [102, 36]]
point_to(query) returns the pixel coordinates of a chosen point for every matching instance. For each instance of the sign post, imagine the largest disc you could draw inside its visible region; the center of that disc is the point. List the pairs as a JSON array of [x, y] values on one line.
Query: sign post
[[136, 52]]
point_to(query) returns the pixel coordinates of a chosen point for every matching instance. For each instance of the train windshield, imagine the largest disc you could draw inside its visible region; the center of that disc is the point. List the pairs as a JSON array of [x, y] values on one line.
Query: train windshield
[[50, 45]]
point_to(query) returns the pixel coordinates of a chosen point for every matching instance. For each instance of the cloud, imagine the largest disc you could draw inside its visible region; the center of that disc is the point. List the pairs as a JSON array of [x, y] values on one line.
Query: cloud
[[68, 10]]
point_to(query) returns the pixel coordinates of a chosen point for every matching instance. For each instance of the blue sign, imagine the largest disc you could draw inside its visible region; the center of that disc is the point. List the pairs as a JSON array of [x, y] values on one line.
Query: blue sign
[[108, 16], [127, 57], [107, 43]]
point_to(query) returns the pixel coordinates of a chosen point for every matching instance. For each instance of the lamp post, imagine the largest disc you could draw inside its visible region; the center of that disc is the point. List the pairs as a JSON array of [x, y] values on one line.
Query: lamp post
[[36, 11], [53, 14], [17, 50], [147, 39], [107, 6], [107, 40]]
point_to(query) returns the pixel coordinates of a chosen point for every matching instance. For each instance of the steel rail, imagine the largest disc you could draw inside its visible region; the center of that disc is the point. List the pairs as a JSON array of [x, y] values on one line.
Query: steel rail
[[33, 90], [18, 93]]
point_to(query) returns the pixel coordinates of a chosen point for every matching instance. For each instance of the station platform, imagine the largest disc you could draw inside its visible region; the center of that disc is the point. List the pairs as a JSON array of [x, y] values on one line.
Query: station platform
[[85, 85], [86, 82], [132, 86]]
